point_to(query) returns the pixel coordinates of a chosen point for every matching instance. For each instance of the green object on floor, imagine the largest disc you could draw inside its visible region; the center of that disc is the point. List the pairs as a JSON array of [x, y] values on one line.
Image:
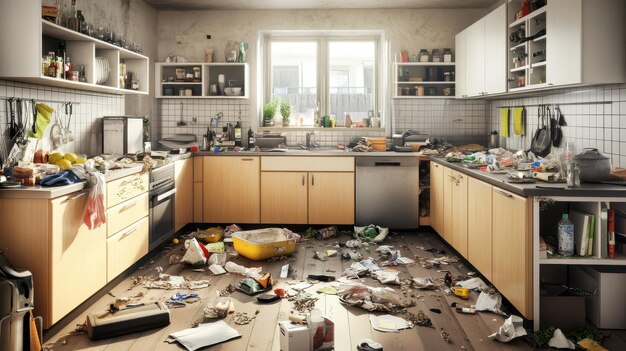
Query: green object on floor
[[370, 232]]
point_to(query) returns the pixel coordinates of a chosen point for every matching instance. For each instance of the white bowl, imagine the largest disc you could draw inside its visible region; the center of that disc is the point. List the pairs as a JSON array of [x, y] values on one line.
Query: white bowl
[[232, 91]]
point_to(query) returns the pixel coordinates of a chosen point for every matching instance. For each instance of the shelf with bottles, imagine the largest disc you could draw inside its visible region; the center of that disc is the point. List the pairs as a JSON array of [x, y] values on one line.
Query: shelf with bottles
[[424, 79], [218, 80]]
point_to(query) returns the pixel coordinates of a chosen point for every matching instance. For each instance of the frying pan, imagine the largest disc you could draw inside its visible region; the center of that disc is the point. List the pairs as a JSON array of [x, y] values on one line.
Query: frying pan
[[12, 123], [541, 140], [557, 123]]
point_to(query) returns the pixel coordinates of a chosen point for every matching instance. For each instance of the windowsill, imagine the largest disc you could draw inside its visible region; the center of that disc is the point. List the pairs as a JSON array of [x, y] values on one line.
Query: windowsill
[[336, 129]]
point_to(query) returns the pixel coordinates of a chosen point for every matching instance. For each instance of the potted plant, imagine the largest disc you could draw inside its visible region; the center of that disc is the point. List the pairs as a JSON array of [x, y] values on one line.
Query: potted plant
[[285, 111], [269, 111]]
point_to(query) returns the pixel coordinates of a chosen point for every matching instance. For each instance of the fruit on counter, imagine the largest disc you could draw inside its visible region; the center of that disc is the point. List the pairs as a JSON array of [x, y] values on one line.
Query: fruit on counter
[[55, 157], [70, 156], [64, 164], [81, 160]]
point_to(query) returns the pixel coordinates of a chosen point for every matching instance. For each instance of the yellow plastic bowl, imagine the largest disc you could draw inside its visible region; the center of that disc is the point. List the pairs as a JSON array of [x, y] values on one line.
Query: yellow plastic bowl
[[262, 244]]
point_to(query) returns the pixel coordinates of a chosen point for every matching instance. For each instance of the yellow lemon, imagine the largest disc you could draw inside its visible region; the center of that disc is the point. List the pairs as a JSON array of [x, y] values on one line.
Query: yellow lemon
[[81, 160], [175, 241], [70, 156], [55, 157], [64, 164]]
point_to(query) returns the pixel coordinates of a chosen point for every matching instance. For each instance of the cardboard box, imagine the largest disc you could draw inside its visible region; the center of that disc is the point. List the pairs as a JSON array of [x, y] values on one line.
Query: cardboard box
[[606, 308], [294, 337], [317, 335]]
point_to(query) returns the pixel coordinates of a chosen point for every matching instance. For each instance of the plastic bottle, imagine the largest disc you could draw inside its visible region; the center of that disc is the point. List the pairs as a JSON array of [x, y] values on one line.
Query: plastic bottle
[[566, 236]]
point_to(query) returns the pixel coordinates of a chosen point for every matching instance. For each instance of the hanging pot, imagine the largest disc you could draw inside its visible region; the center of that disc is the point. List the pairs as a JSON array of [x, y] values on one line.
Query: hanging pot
[[593, 165]]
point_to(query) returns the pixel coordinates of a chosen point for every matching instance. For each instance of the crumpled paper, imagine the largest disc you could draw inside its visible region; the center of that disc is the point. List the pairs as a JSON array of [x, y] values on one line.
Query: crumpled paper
[[473, 284], [204, 335], [511, 329], [170, 282], [196, 254], [389, 323], [387, 276], [424, 283], [559, 341], [489, 302], [372, 299]]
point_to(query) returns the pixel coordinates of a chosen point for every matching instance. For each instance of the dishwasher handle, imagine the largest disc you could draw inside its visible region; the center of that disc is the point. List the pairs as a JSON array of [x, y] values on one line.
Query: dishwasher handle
[[387, 164]]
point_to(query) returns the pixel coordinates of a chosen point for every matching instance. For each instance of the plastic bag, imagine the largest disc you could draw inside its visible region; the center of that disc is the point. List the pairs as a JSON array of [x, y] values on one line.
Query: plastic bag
[[95, 211], [196, 254]]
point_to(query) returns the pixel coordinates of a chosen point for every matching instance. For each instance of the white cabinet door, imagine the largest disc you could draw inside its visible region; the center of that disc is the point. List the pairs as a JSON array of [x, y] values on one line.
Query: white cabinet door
[[495, 51], [460, 44], [475, 60], [564, 43]]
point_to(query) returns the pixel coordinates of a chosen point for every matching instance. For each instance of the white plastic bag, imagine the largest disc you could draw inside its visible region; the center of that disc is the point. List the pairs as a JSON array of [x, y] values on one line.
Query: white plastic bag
[[95, 211]]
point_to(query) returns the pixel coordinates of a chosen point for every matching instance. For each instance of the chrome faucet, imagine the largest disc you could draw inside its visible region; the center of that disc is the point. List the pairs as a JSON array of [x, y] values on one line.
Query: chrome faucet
[[310, 140]]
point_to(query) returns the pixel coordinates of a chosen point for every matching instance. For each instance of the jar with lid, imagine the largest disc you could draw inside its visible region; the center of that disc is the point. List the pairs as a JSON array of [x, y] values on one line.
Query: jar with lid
[[436, 55], [423, 55], [447, 76], [196, 74], [447, 55]]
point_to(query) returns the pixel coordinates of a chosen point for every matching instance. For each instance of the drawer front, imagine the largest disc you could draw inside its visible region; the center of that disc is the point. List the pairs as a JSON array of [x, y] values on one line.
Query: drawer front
[[126, 188], [126, 213], [307, 163], [126, 247]]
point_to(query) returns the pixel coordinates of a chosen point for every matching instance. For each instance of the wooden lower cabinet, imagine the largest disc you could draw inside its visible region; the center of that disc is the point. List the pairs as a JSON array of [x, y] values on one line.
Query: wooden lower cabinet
[[184, 200], [198, 199], [331, 198], [479, 238], [459, 212], [231, 189], [284, 197], [436, 196], [126, 247], [512, 249], [446, 232]]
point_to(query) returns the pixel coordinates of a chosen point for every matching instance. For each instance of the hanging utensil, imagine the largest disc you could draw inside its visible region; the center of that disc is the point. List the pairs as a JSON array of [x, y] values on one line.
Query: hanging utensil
[[557, 132], [181, 123], [33, 106], [69, 136], [12, 123], [55, 132]]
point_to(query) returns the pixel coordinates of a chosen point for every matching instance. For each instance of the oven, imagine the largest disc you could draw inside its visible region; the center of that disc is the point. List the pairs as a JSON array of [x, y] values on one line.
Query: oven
[[162, 193]]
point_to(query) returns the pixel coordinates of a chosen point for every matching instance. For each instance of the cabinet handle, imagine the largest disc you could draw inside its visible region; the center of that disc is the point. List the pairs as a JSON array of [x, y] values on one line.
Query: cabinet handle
[[502, 193], [302, 180], [247, 159], [550, 84], [312, 180], [128, 232], [81, 194], [129, 206], [436, 165]]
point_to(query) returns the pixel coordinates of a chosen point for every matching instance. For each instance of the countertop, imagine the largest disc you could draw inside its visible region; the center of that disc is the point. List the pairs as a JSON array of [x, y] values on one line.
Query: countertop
[[538, 188], [307, 153]]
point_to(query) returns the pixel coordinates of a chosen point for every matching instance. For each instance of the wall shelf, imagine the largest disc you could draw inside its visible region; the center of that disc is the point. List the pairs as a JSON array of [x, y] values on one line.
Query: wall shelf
[[235, 72], [433, 75]]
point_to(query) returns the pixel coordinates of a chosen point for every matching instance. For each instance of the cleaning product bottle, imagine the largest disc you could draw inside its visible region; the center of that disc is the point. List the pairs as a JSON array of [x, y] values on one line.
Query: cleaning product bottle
[[238, 131], [566, 236], [250, 138]]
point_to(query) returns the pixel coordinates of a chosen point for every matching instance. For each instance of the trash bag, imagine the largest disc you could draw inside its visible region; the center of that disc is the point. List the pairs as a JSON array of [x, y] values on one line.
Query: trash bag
[[95, 211]]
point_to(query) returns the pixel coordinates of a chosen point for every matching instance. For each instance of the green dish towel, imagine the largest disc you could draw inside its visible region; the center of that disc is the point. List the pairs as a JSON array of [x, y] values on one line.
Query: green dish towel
[[518, 120], [43, 119], [504, 125]]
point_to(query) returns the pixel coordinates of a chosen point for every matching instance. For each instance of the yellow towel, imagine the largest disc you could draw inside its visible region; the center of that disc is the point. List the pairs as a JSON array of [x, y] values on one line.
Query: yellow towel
[[504, 125], [518, 120], [43, 119]]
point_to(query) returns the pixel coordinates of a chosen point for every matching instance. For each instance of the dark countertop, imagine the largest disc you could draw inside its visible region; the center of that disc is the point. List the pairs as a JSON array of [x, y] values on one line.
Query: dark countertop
[[313, 152], [538, 188]]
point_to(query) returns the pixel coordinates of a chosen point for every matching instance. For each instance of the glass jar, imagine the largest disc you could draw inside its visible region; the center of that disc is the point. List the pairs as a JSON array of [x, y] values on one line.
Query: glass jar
[[447, 76], [436, 55], [196, 73], [447, 55], [424, 56]]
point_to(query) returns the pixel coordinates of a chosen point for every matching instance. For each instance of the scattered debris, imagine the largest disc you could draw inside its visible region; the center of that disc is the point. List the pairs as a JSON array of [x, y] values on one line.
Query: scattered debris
[[254, 272], [196, 254], [321, 277], [371, 232], [466, 310], [473, 284], [403, 260], [444, 335], [511, 329], [204, 335], [489, 302], [420, 319], [387, 276], [389, 323], [284, 271], [354, 243], [559, 341], [331, 253], [217, 269], [80, 329], [373, 299], [297, 318], [303, 301], [320, 256], [424, 283], [368, 345], [169, 282], [329, 290], [591, 345], [242, 318], [218, 308], [436, 310]]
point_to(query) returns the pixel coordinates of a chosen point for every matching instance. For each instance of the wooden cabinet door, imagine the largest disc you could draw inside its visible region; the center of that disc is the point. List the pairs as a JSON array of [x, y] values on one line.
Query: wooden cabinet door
[[459, 212], [198, 180], [512, 252], [446, 233], [231, 189], [183, 206], [495, 51], [284, 197], [475, 60], [479, 206], [331, 198], [436, 197], [460, 73], [78, 255], [127, 247]]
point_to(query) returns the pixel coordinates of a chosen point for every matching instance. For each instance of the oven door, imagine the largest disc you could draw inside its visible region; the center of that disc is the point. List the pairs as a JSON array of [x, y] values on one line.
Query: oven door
[[161, 214]]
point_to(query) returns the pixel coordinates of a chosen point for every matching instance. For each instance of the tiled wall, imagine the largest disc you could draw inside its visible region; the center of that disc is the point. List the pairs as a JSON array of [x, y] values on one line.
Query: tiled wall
[[87, 110], [458, 121], [589, 125]]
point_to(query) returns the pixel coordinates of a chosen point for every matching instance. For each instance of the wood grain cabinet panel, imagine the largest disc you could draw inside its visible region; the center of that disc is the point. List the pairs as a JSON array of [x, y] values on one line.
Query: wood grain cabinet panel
[[184, 201], [284, 197]]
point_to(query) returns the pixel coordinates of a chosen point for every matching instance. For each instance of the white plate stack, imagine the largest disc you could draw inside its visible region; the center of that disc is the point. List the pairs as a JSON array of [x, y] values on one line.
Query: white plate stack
[[102, 70]]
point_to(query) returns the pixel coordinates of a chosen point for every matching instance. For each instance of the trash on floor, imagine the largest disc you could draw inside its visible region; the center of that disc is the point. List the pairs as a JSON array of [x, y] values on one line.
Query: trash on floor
[[218, 308], [322, 331], [321, 277], [196, 254], [180, 299], [218, 258], [255, 286], [210, 235], [420, 319], [473, 284], [291, 235], [229, 230], [590, 345], [331, 253], [242, 318], [388, 323], [461, 292], [368, 345], [169, 282], [215, 248], [217, 269], [372, 299], [466, 310], [267, 298], [387, 276], [444, 335], [511, 329], [317, 334], [354, 243], [320, 256], [328, 290], [204, 335], [127, 320], [489, 302], [403, 260], [254, 272], [284, 271], [371, 232], [262, 244], [303, 301], [559, 341], [326, 233], [424, 283]]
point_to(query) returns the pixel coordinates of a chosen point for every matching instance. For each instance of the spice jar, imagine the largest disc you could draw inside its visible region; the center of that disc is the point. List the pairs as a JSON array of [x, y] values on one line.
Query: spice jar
[[196, 73], [436, 55], [447, 55], [447, 76], [424, 56]]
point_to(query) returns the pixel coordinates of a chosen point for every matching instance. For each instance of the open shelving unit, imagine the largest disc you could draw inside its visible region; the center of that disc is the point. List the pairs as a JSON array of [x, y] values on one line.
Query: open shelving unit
[[168, 87], [527, 59], [429, 75]]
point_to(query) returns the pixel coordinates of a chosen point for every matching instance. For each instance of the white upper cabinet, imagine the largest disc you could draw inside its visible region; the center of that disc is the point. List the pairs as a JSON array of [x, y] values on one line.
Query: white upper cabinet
[[484, 60]]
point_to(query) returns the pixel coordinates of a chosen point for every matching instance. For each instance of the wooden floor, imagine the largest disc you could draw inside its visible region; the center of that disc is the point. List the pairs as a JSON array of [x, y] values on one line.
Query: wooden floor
[[467, 332]]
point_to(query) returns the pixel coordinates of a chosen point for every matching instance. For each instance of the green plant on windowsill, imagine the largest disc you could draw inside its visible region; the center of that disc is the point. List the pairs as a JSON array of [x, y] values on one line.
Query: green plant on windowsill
[[285, 111], [269, 111]]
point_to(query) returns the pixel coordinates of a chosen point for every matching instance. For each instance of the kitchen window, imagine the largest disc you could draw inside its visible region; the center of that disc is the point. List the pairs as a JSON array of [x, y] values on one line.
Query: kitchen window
[[337, 72]]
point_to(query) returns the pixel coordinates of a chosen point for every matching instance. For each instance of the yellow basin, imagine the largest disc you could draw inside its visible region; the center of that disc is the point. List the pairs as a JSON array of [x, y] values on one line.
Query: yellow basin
[[262, 244]]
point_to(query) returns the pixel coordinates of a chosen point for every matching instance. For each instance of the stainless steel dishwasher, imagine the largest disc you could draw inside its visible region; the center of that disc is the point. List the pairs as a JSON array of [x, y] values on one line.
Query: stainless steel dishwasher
[[387, 191]]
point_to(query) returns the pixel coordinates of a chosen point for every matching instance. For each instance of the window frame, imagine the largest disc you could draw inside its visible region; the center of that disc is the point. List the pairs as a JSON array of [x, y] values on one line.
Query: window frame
[[323, 39]]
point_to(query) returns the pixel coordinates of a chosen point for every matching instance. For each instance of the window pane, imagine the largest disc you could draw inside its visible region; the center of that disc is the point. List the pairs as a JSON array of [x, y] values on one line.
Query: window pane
[[351, 79], [294, 77]]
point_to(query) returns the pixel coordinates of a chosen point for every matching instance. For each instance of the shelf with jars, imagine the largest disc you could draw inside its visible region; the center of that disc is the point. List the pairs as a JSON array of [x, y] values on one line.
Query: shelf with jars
[[216, 80], [48, 54], [424, 80]]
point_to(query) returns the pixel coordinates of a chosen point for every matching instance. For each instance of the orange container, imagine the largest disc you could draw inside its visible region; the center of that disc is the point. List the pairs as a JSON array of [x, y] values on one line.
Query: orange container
[[378, 144]]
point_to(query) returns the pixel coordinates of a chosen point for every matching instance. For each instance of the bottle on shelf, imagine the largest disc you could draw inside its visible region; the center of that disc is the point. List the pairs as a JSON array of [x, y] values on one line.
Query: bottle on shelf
[[251, 140], [73, 22], [238, 130], [52, 61], [566, 236], [69, 68], [61, 59]]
